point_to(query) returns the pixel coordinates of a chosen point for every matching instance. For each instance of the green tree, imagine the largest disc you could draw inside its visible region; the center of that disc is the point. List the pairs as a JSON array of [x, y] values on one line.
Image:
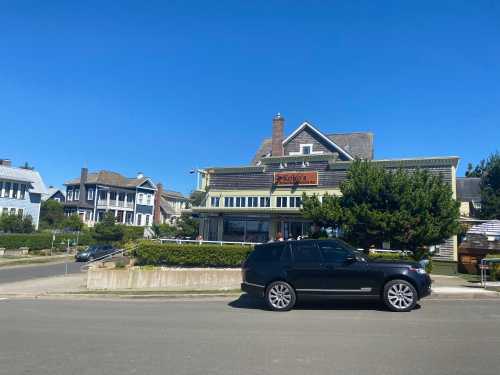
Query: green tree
[[196, 198], [107, 230], [187, 226], [164, 230], [73, 223], [16, 224], [51, 214], [489, 171], [411, 210]]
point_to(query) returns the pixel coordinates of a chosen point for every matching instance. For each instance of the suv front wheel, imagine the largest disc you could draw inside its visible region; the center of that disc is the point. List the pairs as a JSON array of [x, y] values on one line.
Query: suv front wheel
[[400, 295], [280, 296]]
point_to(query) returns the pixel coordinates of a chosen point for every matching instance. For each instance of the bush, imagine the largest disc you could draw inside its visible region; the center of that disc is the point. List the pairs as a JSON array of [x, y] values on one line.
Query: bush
[[190, 255], [494, 267], [12, 223], [132, 233], [41, 241]]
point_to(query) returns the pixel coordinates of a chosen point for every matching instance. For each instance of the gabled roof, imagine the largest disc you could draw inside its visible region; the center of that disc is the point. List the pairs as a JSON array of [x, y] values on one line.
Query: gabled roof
[[327, 140], [111, 179], [357, 145], [51, 191], [469, 189], [24, 175]]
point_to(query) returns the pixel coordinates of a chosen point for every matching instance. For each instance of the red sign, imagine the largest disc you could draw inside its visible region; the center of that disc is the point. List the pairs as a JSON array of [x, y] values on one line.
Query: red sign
[[296, 178]]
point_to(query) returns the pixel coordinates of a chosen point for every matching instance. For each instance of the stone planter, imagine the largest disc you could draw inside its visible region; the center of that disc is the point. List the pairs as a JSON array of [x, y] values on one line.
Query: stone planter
[[24, 250]]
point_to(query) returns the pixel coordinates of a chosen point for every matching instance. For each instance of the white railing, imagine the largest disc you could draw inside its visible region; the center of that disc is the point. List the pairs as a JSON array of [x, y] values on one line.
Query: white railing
[[201, 242], [486, 265]]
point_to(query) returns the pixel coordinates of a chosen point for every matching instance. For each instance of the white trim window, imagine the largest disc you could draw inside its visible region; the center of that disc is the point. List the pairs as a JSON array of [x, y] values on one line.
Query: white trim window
[[5, 211], [147, 220], [265, 202], [229, 202], [69, 194], [295, 202], [90, 194], [140, 196], [148, 202], [23, 192], [139, 219], [77, 194], [241, 201], [15, 190], [20, 212], [214, 201], [6, 193], [306, 149], [281, 202], [253, 201]]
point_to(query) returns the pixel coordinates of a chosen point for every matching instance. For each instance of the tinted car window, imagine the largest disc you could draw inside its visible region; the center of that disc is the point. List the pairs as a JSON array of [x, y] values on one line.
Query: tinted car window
[[333, 252], [268, 253], [306, 252]]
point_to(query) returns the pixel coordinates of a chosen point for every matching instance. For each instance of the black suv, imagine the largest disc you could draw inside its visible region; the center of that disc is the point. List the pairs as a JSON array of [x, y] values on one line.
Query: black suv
[[281, 271], [94, 252]]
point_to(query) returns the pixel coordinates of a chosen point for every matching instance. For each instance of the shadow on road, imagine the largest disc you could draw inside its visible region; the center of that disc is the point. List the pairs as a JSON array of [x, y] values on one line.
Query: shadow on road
[[246, 301]]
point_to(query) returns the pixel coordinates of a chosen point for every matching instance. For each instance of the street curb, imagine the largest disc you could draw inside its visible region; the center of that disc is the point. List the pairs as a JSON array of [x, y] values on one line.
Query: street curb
[[207, 296]]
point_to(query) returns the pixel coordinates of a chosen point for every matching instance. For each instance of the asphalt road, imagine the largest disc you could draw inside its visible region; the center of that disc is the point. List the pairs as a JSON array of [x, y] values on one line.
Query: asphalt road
[[226, 337], [20, 273]]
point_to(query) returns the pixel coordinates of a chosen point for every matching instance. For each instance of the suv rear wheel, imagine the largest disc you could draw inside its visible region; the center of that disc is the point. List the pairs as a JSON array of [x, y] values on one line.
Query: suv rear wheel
[[280, 296], [400, 295]]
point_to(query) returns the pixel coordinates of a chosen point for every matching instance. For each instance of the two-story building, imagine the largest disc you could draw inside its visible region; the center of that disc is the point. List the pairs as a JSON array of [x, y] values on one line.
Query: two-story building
[[20, 191], [253, 203], [93, 194], [169, 206]]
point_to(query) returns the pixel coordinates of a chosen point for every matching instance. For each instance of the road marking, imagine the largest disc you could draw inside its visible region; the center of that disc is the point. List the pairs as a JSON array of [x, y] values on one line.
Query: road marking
[[3, 299]]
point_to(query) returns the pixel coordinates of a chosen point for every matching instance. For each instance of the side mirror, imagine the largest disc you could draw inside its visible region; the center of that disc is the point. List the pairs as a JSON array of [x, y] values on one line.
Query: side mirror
[[350, 259]]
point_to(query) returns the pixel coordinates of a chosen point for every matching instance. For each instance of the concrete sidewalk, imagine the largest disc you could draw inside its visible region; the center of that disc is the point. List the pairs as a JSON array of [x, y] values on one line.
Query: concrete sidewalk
[[74, 286]]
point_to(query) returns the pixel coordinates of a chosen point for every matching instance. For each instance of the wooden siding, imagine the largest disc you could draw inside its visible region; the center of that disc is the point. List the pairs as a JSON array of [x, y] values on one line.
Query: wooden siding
[[327, 178], [306, 136]]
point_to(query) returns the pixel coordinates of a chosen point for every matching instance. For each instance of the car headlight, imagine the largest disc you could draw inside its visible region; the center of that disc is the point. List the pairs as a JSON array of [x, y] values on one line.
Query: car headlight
[[421, 271]]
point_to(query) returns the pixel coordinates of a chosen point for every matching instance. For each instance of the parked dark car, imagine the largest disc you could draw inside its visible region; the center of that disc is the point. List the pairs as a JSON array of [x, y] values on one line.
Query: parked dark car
[[94, 252], [281, 272]]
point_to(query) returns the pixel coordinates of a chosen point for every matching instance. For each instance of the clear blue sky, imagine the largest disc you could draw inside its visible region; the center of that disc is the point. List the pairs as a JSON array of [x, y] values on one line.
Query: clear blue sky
[[166, 86]]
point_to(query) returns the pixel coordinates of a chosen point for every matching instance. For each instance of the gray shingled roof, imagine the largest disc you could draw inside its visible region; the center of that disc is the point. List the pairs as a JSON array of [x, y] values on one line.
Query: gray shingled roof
[[109, 178], [173, 194], [469, 189], [24, 175], [359, 145]]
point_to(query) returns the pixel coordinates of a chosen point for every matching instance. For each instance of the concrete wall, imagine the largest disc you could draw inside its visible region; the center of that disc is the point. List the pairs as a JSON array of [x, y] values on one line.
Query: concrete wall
[[164, 278]]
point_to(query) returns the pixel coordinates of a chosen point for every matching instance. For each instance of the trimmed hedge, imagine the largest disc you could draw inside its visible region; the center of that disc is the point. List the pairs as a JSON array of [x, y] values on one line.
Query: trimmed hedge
[[41, 241], [190, 255]]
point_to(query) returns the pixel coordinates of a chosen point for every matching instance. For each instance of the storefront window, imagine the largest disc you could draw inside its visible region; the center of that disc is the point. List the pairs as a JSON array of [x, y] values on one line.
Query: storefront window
[[246, 230]]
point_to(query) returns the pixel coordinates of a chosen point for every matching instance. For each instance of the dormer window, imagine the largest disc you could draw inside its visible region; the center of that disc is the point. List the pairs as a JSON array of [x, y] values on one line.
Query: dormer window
[[306, 149]]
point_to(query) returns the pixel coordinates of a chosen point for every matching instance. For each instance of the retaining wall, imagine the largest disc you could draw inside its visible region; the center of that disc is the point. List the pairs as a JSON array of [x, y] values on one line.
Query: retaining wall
[[164, 278]]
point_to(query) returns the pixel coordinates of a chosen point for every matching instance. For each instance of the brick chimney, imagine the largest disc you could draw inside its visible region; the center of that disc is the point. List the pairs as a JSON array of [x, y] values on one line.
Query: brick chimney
[[157, 212], [277, 140], [83, 180], [6, 162]]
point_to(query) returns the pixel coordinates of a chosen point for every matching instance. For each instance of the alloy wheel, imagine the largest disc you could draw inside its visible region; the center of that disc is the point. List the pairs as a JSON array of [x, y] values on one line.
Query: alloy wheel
[[400, 296], [280, 296]]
